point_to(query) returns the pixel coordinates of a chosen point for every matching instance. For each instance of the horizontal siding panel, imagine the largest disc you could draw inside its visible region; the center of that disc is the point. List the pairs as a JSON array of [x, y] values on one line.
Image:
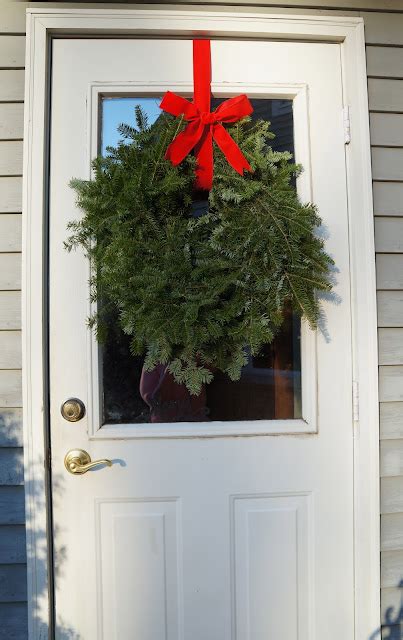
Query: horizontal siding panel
[[10, 195], [10, 271], [10, 389], [390, 599], [13, 583], [12, 505], [391, 384], [388, 235], [391, 568], [390, 346], [11, 466], [391, 420], [385, 62], [389, 271], [385, 95], [391, 458], [14, 621], [11, 121], [389, 631], [387, 129], [11, 157], [390, 308], [12, 51], [392, 495], [11, 85], [11, 428], [388, 198], [12, 17], [392, 531], [383, 28], [12, 544], [10, 232], [387, 164], [10, 349], [10, 310]]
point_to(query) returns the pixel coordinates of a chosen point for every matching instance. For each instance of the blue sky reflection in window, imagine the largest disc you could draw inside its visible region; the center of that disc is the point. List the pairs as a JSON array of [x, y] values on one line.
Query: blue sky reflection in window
[[118, 110]]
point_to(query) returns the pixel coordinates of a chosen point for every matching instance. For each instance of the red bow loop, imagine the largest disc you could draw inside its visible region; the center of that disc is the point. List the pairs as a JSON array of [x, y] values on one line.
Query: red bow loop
[[178, 106], [234, 109], [203, 125]]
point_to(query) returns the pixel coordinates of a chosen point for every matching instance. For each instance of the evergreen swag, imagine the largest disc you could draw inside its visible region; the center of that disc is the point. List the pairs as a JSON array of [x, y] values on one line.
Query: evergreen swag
[[198, 293]]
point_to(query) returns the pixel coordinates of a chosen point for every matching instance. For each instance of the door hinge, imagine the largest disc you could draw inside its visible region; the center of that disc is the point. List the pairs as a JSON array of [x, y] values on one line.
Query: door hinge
[[347, 125], [356, 401]]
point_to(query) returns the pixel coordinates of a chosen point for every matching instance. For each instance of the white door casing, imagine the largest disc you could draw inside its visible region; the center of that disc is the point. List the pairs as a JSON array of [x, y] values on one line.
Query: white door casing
[[208, 513]]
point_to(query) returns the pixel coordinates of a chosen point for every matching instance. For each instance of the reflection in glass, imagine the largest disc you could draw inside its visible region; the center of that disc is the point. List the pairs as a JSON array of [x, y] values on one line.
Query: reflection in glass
[[270, 384], [117, 110]]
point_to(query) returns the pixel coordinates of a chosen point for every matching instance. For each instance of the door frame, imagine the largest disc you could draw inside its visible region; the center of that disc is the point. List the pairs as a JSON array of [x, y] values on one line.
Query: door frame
[[42, 26]]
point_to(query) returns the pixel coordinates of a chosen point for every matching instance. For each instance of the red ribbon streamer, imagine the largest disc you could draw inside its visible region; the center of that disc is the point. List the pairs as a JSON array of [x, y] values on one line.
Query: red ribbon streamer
[[204, 125]]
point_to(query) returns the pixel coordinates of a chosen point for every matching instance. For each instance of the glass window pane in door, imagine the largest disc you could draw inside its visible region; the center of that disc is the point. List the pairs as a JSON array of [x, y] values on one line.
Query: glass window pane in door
[[270, 384]]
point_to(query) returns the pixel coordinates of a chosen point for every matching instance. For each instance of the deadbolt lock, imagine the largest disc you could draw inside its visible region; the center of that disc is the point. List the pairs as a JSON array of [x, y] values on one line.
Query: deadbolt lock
[[73, 410]]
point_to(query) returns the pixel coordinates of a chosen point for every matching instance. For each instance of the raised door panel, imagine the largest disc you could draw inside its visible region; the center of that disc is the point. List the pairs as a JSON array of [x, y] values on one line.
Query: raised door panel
[[140, 569], [272, 583]]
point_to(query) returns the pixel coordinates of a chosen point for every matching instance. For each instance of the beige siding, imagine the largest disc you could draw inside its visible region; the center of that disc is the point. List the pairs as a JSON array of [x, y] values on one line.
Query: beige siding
[[391, 383], [12, 51], [10, 310], [12, 536], [387, 164], [11, 121], [384, 37], [391, 458], [10, 231], [385, 62], [392, 532], [389, 235], [389, 269], [10, 194], [12, 18], [11, 85], [10, 271], [390, 308], [384, 28], [385, 95], [388, 198], [391, 418], [10, 388], [10, 350], [391, 568], [390, 346], [392, 495], [385, 84], [387, 128], [11, 158]]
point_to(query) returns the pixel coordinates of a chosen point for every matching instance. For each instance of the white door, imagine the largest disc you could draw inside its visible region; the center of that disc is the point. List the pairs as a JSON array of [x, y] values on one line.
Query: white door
[[239, 527]]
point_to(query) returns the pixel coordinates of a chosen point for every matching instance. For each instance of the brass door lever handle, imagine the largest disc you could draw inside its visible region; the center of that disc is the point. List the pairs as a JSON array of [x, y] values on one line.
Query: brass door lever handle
[[78, 461]]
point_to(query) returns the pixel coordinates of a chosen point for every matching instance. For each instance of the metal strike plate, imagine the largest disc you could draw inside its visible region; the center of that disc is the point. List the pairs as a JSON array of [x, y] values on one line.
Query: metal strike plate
[[73, 410]]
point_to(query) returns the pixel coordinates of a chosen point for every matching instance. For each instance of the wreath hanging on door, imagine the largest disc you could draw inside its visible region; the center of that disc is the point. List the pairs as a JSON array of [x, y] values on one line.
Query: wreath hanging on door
[[199, 293]]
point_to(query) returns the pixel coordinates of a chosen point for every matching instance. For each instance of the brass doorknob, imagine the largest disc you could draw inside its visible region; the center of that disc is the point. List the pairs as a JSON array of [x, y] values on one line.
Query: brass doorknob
[[73, 410], [78, 461]]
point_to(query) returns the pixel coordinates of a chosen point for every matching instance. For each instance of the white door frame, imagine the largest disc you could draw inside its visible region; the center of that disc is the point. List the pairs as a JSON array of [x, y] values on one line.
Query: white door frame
[[42, 25]]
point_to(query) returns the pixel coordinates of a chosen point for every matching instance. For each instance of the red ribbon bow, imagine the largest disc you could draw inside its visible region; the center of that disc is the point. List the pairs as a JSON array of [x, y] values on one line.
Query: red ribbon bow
[[204, 125]]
